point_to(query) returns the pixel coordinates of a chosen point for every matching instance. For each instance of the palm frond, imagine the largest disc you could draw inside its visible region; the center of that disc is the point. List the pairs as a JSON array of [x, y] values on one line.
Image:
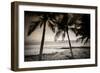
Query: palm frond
[[52, 26], [83, 39], [58, 33], [54, 20], [63, 35], [32, 27], [41, 23], [86, 40], [73, 29], [51, 22]]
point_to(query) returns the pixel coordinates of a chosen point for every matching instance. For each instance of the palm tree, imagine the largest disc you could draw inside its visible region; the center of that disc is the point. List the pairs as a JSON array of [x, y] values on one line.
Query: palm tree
[[45, 19], [75, 23], [63, 29]]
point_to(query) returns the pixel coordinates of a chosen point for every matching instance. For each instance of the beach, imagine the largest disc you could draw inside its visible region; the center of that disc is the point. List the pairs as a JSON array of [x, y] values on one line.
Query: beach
[[57, 51]]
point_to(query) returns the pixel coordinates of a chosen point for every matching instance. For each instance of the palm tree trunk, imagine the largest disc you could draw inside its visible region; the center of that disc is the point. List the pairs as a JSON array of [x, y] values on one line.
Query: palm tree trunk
[[42, 42], [70, 45]]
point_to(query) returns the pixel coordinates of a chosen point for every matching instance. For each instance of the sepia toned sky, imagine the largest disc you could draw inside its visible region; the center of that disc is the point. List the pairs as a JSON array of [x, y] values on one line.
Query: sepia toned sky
[[37, 34]]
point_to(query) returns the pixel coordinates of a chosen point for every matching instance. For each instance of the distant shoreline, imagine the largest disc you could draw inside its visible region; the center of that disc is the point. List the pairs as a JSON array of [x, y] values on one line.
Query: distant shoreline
[[85, 47], [50, 42], [61, 44]]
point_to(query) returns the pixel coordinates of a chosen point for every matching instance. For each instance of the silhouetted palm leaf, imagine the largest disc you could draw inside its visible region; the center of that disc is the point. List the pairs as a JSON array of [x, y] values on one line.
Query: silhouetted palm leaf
[[86, 40], [58, 33], [52, 26], [63, 35], [41, 24], [32, 27]]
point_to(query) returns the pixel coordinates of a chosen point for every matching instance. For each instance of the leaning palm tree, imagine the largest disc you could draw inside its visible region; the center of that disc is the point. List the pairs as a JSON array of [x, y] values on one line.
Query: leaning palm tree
[[63, 29], [45, 19], [69, 21]]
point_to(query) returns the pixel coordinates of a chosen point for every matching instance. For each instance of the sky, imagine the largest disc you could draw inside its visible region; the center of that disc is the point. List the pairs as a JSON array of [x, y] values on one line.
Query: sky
[[37, 34], [49, 35]]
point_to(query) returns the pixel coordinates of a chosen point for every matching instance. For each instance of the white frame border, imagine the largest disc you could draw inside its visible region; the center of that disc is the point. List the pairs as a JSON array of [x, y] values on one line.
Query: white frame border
[[23, 64]]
